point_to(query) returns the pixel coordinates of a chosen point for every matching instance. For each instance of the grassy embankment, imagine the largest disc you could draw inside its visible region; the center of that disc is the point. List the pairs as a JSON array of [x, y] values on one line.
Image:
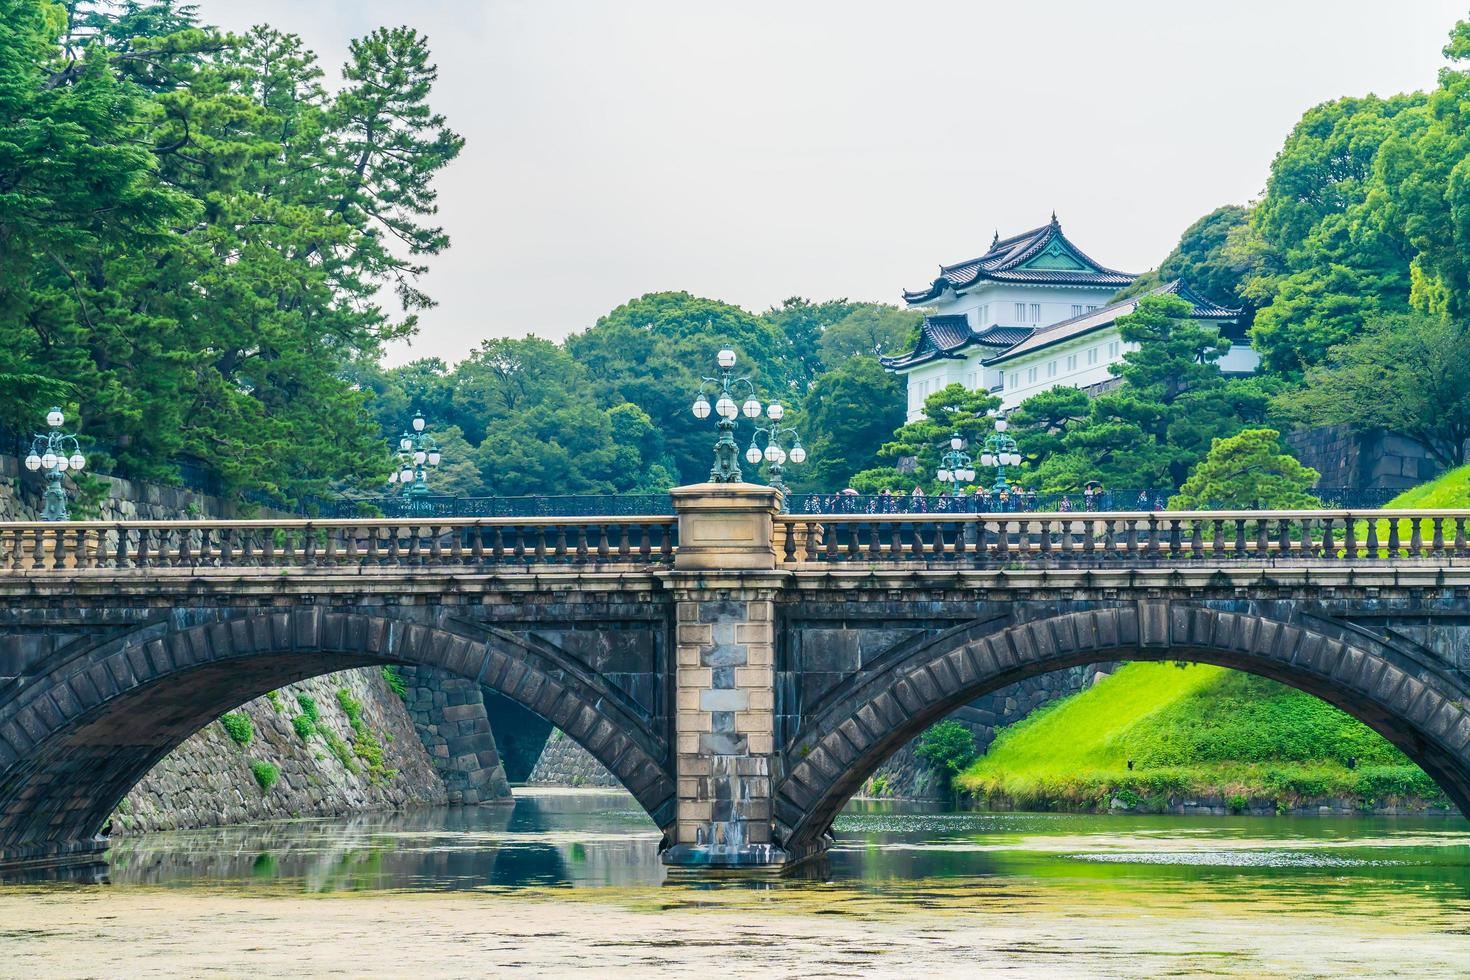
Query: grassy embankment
[[1201, 731], [1194, 731]]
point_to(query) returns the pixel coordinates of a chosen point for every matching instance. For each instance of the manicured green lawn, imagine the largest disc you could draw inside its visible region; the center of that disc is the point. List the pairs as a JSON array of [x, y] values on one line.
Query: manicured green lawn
[[1190, 731]]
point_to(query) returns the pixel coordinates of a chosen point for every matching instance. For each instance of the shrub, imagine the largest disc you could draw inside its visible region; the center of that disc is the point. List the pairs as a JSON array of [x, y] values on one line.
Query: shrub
[[237, 725], [351, 707], [395, 681], [308, 705], [948, 748], [265, 774], [303, 727], [274, 697]]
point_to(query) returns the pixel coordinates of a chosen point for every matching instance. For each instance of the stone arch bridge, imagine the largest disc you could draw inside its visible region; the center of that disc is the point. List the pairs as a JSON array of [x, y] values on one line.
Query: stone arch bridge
[[741, 671]]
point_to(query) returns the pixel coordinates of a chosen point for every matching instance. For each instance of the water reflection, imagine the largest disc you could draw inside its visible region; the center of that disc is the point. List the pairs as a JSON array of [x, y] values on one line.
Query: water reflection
[[915, 854]]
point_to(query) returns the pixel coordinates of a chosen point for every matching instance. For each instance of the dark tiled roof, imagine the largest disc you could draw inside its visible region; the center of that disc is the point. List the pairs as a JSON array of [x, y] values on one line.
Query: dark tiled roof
[[1002, 263], [1077, 326], [943, 336]]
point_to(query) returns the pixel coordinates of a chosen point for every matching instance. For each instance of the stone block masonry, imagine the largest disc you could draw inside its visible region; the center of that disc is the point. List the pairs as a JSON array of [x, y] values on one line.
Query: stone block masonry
[[208, 782], [449, 715]]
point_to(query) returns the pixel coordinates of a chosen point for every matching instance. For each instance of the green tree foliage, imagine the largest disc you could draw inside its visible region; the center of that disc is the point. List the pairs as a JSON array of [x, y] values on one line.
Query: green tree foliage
[[653, 351], [1322, 258], [1407, 373], [1152, 429], [209, 297], [948, 747], [869, 331], [847, 414], [1208, 259], [802, 323], [1248, 470], [953, 409]]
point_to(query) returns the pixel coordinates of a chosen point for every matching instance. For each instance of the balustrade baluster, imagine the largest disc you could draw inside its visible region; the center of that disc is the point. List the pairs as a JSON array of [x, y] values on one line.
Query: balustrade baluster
[[875, 543], [829, 541], [961, 537], [854, 540], [1393, 539], [1196, 540], [38, 549], [1349, 538], [1283, 537], [1153, 537], [1329, 548], [1239, 549], [604, 546], [1130, 537], [1044, 539], [1371, 545], [57, 535], [1002, 540], [582, 543], [1263, 539], [666, 542], [518, 532], [1305, 544], [1438, 543], [1416, 538], [895, 541]]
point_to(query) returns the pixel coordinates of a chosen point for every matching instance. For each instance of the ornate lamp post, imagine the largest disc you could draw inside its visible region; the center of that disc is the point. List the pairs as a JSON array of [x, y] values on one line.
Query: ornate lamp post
[[55, 452], [1000, 451], [955, 467], [727, 454], [417, 452], [774, 453]]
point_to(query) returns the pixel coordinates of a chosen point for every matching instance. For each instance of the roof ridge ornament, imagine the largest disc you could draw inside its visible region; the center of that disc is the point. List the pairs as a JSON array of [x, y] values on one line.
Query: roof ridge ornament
[[1054, 221]]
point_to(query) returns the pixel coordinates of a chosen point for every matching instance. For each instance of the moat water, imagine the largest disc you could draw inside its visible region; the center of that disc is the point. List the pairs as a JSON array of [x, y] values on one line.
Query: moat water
[[918, 884]]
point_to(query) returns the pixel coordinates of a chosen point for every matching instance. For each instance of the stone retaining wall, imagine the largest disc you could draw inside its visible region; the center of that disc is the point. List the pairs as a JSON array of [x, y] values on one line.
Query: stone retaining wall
[[208, 781], [565, 763]]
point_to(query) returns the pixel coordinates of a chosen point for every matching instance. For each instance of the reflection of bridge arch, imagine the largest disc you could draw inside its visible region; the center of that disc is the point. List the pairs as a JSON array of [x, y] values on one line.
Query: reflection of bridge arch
[[76, 737], [1417, 706]]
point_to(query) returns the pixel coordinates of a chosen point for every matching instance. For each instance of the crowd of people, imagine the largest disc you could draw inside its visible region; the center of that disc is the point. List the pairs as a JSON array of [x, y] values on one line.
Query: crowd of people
[[977, 500]]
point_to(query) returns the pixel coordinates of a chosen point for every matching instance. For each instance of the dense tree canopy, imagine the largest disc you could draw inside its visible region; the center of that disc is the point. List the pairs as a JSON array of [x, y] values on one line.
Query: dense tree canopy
[[201, 249]]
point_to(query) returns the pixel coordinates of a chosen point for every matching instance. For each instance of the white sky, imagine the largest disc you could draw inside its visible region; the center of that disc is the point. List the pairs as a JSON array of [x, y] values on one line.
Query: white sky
[[756, 150]]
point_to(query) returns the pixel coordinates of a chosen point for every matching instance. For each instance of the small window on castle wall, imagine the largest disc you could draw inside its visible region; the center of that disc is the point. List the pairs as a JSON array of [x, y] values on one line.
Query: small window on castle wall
[[1092, 356], [1051, 369], [1035, 312], [1020, 312], [1030, 375], [1071, 362]]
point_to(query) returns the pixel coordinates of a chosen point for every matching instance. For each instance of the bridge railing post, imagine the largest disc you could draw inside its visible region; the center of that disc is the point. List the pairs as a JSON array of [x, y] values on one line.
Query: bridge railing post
[[725, 583]]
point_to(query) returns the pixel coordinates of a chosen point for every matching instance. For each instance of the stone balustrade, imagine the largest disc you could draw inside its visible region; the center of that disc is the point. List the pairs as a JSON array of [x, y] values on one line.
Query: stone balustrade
[[204, 544], [1070, 539]]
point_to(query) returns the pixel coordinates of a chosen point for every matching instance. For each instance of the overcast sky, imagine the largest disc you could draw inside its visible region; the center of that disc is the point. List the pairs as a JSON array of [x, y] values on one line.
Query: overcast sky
[[756, 150]]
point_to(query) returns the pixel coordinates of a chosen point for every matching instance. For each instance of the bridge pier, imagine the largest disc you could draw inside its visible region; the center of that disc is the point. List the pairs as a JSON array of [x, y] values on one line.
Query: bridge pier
[[724, 586]]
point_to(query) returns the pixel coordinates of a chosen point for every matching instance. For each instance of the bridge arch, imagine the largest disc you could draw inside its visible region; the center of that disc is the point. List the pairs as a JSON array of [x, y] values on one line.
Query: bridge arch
[[1417, 705], [76, 738]]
